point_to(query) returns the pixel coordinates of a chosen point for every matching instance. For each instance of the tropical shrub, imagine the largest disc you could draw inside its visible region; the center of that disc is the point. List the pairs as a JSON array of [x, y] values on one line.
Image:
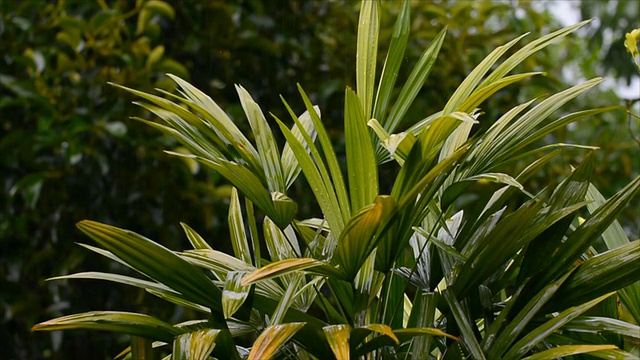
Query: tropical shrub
[[67, 154], [457, 259]]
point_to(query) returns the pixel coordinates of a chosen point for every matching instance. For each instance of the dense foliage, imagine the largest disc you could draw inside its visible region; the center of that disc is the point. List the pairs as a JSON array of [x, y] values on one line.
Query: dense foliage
[[460, 258], [68, 152]]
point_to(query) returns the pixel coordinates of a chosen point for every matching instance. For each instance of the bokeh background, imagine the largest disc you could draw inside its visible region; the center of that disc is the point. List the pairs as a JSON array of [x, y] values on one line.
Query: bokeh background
[[68, 150]]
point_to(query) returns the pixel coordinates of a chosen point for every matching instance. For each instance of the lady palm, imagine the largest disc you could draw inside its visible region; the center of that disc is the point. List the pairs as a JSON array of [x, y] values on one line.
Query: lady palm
[[420, 272]]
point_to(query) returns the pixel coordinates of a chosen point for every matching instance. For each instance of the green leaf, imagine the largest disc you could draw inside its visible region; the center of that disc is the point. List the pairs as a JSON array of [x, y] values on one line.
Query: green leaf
[[280, 246], [266, 143], [271, 339], [473, 79], [290, 166], [518, 135], [412, 207], [179, 300], [278, 207], [236, 229], [516, 326], [448, 249], [234, 293], [529, 50], [615, 237], [196, 345], [122, 322], [491, 251], [537, 335], [397, 145], [194, 238], [122, 279], [154, 56], [608, 271], [160, 8], [589, 231], [454, 191], [597, 324], [615, 354], [217, 261], [155, 261], [316, 174], [465, 324], [482, 93], [198, 143], [414, 83], [357, 239], [420, 161], [392, 62], [218, 119], [141, 348], [367, 53], [287, 301], [287, 266], [331, 159], [568, 350], [207, 133], [409, 333], [566, 120], [361, 161], [221, 263], [358, 335]]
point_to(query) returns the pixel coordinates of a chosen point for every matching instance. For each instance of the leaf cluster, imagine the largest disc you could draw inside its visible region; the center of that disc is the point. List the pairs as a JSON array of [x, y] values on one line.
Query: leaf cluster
[[458, 260]]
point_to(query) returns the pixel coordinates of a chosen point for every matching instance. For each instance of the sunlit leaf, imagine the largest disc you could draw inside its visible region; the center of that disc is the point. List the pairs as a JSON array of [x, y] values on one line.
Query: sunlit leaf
[[367, 53], [271, 339], [357, 240], [290, 166], [236, 229], [196, 345], [266, 143], [122, 322], [286, 266], [233, 293], [414, 83], [155, 261], [194, 238], [338, 338], [568, 350]]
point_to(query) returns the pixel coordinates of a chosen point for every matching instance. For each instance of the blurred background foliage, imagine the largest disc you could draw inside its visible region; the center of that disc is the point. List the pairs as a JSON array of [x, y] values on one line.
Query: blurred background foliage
[[68, 151]]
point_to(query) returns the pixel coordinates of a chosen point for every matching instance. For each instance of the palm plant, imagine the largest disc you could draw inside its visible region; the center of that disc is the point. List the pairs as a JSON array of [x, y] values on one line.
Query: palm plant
[[459, 261]]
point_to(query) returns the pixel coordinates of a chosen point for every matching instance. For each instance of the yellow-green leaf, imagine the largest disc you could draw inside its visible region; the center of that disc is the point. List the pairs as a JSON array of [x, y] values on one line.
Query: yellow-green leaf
[[285, 266], [367, 53], [196, 345], [568, 350], [271, 339], [116, 321], [338, 339], [234, 293]]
